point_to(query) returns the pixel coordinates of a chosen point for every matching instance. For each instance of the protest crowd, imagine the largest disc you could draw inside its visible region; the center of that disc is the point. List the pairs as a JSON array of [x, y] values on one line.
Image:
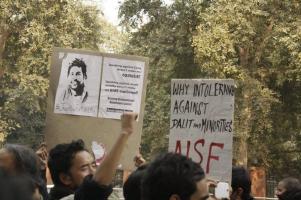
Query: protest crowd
[[174, 100], [75, 175]]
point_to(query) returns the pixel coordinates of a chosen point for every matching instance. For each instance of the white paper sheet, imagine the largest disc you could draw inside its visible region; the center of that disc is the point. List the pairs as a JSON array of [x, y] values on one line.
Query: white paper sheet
[[121, 87], [78, 88], [201, 123]]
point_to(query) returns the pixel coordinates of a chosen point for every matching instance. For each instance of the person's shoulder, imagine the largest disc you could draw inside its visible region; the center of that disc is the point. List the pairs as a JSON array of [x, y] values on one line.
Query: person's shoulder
[[90, 189]]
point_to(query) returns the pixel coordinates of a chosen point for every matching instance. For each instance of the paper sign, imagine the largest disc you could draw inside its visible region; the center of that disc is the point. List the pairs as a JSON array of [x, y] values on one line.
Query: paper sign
[[77, 120], [78, 89], [201, 124], [121, 87]]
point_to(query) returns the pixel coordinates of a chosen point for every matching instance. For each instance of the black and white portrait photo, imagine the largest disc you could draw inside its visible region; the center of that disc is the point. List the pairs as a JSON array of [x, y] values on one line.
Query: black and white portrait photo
[[79, 82], [77, 75]]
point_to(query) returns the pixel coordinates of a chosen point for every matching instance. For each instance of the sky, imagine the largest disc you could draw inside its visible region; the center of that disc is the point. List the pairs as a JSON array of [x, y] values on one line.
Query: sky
[[110, 9]]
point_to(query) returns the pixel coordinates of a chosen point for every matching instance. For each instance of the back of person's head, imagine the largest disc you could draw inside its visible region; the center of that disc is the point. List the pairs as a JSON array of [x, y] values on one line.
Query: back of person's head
[[60, 159], [132, 186], [25, 159], [171, 174], [26, 164], [241, 183], [13, 187], [290, 183], [291, 189]]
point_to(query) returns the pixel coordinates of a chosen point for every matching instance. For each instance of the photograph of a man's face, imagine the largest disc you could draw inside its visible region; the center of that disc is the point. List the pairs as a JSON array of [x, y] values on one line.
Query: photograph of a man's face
[[78, 88], [77, 72], [76, 75]]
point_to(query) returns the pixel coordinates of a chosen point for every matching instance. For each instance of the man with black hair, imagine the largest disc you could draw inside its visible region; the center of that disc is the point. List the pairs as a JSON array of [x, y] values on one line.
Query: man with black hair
[[174, 177], [77, 74], [289, 189], [69, 164], [74, 172], [241, 184]]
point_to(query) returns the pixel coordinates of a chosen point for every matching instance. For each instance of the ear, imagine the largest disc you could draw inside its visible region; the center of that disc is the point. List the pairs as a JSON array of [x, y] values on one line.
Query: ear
[[65, 179], [174, 197]]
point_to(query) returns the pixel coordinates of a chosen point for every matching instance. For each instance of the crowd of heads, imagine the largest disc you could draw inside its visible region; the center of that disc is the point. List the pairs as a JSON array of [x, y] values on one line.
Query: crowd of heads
[[169, 176], [175, 177]]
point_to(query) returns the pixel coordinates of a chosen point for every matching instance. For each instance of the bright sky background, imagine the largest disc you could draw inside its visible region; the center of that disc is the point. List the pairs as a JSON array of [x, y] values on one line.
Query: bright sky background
[[110, 9]]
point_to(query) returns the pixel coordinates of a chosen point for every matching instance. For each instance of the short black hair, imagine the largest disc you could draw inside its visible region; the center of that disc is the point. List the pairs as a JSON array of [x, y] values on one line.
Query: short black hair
[[169, 174], [78, 63], [60, 158], [241, 179], [132, 186]]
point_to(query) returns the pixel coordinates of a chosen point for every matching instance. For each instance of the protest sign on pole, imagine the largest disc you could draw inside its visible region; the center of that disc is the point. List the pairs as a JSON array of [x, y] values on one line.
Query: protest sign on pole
[[80, 87], [201, 123]]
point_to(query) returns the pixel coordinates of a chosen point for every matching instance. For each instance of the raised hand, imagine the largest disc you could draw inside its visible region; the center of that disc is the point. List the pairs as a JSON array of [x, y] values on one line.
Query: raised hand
[[43, 155], [127, 123]]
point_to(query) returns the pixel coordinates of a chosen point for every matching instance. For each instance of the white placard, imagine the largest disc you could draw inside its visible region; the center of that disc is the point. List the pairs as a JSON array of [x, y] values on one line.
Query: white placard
[[102, 132], [121, 87], [78, 88], [201, 124]]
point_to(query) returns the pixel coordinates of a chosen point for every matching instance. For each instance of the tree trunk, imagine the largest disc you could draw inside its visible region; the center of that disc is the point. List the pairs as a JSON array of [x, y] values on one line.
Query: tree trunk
[[3, 37]]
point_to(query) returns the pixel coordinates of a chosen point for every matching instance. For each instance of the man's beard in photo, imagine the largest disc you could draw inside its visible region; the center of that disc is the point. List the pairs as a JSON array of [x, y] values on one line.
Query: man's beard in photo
[[79, 89]]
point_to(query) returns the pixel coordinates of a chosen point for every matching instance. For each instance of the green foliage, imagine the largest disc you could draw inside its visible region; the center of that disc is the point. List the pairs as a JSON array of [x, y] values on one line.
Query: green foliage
[[165, 36], [28, 31], [112, 40], [256, 43]]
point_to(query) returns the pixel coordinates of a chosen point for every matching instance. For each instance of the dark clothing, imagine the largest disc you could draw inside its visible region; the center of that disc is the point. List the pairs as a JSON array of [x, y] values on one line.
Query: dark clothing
[[58, 192], [42, 185], [291, 195], [88, 190], [43, 191]]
